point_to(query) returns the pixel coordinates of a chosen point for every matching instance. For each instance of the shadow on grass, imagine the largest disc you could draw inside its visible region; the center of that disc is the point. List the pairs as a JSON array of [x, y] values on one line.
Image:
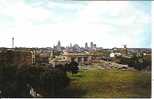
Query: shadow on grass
[[71, 93], [78, 75], [75, 77]]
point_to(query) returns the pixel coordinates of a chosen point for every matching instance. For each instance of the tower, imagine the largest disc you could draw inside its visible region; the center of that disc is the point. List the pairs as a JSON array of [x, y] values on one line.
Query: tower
[[86, 45], [12, 42], [59, 44], [125, 50], [91, 45], [125, 46], [58, 47]]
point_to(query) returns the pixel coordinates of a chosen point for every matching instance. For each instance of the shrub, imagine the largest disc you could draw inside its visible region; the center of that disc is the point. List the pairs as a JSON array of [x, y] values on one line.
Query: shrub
[[16, 81]]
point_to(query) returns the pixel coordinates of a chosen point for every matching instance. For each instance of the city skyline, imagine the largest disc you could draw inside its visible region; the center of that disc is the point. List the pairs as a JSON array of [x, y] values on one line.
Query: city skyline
[[58, 44], [107, 23]]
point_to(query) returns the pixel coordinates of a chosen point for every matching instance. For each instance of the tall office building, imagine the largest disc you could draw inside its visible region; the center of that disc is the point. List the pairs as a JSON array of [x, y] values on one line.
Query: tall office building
[[86, 45], [58, 47], [91, 45], [59, 44]]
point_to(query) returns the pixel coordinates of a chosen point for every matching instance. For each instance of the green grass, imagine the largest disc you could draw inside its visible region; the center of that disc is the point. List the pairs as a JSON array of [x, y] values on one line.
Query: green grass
[[109, 83]]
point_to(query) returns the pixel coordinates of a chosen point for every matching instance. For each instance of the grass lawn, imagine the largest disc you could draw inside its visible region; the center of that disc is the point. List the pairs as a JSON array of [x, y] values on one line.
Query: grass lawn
[[108, 83]]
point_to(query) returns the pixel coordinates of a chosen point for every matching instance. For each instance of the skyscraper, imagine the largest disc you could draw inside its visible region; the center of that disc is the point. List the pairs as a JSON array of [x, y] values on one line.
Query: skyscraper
[[59, 44], [58, 47], [86, 45], [91, 45]]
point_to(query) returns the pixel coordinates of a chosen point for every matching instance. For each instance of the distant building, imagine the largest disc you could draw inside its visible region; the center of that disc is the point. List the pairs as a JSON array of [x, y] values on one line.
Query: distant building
[[124, 50], [76, 48], [86, 45], [114, 54], [91, 45], [115, 50], [59, 44], [42, 58], [94, 46]]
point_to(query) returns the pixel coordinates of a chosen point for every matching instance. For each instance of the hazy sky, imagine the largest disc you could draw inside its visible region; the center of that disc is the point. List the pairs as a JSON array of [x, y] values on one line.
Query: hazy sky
[[41, 23]]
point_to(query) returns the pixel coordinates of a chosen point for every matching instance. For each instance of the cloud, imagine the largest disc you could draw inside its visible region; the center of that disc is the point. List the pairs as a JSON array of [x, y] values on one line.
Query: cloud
[[43, 23], [126, 24], [21, 11]]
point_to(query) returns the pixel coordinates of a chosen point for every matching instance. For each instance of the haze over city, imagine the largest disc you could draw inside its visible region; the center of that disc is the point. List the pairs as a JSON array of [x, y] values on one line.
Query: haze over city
[[41, 23]]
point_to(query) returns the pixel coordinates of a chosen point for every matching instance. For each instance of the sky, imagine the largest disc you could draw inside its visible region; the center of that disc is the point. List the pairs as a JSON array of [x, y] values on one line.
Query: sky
[[41, 23]]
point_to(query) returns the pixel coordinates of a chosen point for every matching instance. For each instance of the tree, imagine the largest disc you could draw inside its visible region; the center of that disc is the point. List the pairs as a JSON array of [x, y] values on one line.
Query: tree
[[11, 85], [67, 67], [74, 66], [16, 81]]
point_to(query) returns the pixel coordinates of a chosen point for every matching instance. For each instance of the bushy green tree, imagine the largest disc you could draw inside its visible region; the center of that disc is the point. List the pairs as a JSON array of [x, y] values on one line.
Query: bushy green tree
[[74, 66]]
